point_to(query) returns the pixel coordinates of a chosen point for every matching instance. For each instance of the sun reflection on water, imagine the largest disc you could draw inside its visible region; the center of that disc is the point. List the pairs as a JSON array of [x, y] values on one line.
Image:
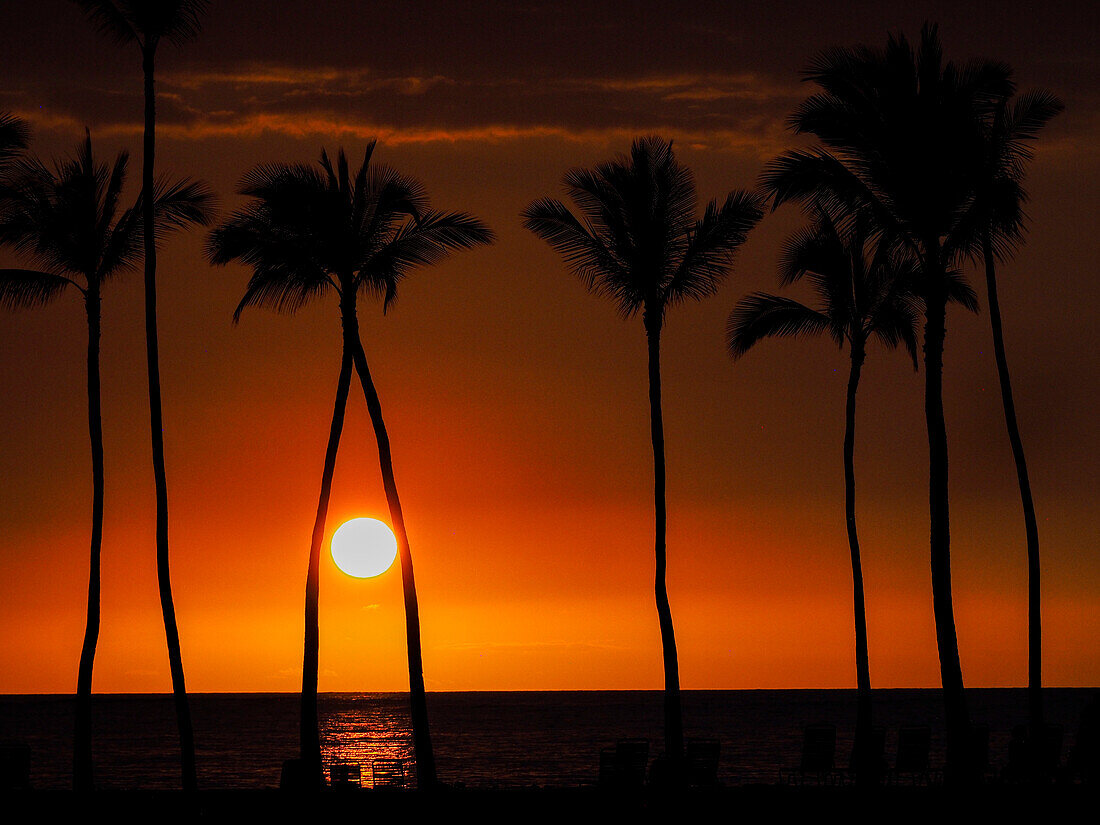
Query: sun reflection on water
[[365, 729]]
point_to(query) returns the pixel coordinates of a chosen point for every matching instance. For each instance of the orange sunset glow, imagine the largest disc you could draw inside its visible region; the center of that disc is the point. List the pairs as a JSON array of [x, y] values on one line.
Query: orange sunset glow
[[516, 402]]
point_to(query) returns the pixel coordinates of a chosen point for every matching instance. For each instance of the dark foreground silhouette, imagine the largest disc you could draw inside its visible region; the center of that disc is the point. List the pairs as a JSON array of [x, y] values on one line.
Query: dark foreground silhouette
[[747, 804]]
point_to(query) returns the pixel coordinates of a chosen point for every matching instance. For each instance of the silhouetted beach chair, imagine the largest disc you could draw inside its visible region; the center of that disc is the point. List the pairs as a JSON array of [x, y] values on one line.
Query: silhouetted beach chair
[[608, 768], [876, 760], [293, 776], [345, 775], [701, 756], [914, 743], [389, 774], [1033, 759], [15, 767], [1016, 768], [624, 766], [1048, 755], [632, 758], [1084, 758], [818, 756], [979, 751]]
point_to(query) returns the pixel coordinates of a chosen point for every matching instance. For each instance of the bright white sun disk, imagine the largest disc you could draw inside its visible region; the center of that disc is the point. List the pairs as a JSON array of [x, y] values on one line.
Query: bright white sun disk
[[364, 547]]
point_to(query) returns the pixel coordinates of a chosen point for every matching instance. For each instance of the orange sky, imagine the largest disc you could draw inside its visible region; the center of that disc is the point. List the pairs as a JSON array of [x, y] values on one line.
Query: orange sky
[[516, 402]]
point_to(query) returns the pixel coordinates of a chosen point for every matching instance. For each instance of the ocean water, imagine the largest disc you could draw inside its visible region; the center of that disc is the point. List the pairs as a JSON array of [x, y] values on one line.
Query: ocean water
[[506, 740]]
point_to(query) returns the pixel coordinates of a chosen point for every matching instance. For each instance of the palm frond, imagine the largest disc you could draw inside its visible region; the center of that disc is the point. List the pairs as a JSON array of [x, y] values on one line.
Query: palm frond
[[712, 246], [109, 17], [587, 256], [1033, 110], [811, 250], [423, 243], [14, 134], [123, 248], [112, 191], [26, 288], [181, 203], [146, 21], [960, 292], [759, 316], [282, 290]]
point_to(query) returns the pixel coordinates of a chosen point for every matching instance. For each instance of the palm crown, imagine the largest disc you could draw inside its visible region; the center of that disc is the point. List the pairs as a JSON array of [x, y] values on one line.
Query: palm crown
[[68, 222], [864, 288], [637, 240], [146, 21], [311, 229], [904, 137]]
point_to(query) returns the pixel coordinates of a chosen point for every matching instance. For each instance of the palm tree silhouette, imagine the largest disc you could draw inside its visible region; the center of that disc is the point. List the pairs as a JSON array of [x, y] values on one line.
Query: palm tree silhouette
[[864, 289], [903, 131], [637, 241], [998, 220], [147, 23], [68, 222], [310, 231]]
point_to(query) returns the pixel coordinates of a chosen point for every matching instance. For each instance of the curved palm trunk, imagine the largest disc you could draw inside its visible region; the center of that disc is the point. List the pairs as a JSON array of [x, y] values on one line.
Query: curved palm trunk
[[156, 421], [674, 719], [422, 740], [83, 775], [309, 732], [955, 712], [1031, 528], [865, 766]]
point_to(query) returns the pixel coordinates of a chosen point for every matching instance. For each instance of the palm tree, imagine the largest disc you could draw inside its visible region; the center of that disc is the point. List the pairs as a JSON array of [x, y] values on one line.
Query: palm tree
[[68, 222], [637, 241], [864, 287], [903, 137], [998, 223], [147, 23], [310, 231]]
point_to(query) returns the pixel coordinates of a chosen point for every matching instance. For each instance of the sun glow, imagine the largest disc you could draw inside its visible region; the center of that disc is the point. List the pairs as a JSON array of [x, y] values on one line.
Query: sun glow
[[364, 547]]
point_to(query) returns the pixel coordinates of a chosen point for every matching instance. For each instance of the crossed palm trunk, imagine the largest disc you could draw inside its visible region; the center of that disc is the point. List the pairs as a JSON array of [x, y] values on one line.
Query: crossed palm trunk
[[310, 735], [422, 741], [353, 353], [310, 231]]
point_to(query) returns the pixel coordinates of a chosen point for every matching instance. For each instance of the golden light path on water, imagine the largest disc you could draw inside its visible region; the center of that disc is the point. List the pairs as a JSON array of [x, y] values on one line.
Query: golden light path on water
[[371, 734], [366, 742]]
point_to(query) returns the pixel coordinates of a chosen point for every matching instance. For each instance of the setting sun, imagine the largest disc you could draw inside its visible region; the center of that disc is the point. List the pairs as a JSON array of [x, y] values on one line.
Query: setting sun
[[364, 547]]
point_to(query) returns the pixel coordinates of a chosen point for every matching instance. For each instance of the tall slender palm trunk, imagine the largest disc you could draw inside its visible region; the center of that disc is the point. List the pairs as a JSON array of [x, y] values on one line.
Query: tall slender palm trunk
[[156, 421], [83, 774], [865, 767], [422, 741], [957, 769], [310, 736], [674, 719], [1031, 527]]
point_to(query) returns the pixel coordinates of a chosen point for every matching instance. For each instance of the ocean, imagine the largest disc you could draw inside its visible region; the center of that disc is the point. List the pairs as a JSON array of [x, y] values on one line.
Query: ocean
[[483, 739]]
